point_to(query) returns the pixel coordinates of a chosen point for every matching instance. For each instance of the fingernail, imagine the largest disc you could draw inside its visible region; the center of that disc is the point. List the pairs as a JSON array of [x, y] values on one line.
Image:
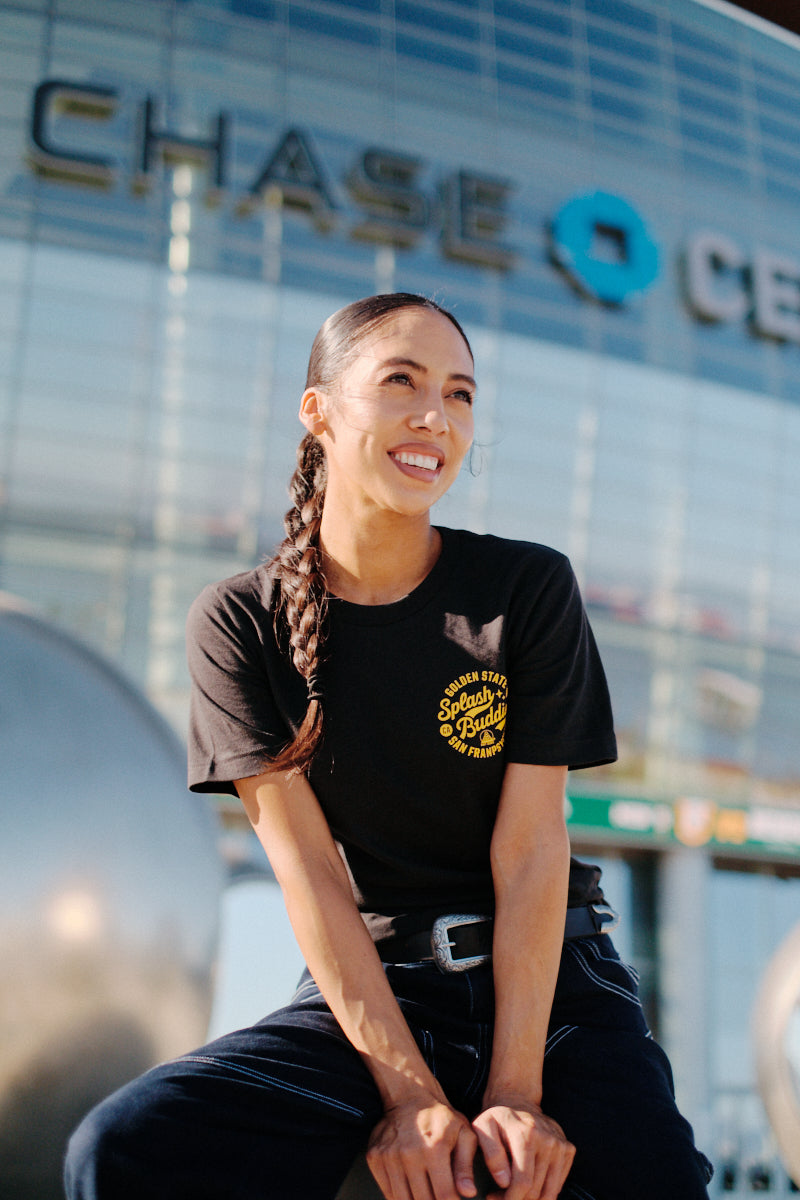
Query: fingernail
[[503, 1178], [466, 1187]]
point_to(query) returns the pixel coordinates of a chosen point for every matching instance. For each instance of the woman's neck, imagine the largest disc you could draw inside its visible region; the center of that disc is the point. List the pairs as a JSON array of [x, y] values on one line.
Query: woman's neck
[[381, 563]]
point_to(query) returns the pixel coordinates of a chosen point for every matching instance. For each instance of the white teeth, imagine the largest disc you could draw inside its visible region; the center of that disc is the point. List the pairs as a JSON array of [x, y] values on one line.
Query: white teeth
[[417, 460]]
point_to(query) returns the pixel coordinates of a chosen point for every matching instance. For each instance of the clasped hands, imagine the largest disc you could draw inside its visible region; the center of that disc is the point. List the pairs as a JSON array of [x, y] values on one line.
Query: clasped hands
[[425, 1150]]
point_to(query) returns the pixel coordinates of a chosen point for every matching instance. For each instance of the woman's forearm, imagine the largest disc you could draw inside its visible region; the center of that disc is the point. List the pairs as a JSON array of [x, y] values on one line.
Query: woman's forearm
[[332, 937], [531, 880], [343, 961]]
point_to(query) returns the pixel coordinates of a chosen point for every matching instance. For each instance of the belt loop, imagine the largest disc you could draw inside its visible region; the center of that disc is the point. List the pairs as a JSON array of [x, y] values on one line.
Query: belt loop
[[604, 917]]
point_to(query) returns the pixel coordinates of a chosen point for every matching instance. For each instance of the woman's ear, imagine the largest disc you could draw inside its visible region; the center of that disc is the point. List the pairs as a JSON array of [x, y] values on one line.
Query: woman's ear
[[311, 414]]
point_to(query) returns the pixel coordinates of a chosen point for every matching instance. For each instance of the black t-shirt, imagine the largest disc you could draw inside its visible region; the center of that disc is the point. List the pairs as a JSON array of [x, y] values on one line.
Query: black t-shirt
[[490, 660]]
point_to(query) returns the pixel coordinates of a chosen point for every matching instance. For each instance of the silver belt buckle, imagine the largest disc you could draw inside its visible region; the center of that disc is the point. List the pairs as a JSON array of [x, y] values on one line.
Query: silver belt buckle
[[442, 946]]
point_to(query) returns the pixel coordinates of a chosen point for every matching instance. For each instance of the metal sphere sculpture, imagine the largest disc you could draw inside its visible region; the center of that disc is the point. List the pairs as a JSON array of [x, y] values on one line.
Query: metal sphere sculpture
[[110, 883]]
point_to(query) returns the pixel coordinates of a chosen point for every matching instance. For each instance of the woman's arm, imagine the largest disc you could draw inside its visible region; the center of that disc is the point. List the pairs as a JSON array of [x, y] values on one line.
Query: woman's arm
[[422, 1147], [526, 1152]]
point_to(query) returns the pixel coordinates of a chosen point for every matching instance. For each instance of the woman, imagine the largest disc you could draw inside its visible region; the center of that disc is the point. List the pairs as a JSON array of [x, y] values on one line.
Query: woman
[[397, 706]]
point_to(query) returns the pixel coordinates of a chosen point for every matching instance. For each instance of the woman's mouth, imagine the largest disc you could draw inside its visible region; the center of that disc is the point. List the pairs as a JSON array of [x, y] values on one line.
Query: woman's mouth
[[427, 462], [418, 464]]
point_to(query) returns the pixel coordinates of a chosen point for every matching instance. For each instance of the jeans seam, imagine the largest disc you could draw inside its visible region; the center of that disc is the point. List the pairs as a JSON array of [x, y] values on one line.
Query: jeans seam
[[309, 986], [557, 1036], [578, 1192], [614, 988], [629, 970], [270, 1080], [468, 982], [428, 1047], [481, 1064]]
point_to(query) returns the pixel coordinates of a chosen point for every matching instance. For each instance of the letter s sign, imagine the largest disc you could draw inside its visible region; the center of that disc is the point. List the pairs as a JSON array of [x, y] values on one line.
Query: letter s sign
[[604, 246]]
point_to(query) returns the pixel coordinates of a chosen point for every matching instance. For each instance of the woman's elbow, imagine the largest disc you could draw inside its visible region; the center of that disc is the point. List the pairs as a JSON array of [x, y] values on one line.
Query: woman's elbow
[[539, 860]]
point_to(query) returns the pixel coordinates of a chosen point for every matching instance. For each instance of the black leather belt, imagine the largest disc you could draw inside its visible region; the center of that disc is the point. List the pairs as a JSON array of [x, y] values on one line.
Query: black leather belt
[[459, 941]]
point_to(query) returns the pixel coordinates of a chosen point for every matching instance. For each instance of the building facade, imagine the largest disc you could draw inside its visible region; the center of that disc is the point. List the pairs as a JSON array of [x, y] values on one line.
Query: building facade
[[606, 193]]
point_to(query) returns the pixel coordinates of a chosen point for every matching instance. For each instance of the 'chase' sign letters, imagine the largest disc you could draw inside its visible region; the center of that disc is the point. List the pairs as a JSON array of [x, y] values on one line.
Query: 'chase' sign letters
[[598, 240]]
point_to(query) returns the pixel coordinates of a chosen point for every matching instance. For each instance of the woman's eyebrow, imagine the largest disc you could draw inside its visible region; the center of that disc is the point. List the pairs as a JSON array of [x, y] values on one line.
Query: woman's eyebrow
[[415, 366]]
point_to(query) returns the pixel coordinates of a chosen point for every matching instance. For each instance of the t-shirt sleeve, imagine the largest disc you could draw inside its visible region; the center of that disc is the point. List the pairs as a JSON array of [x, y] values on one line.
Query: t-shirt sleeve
[[235, 725], [559, 711]]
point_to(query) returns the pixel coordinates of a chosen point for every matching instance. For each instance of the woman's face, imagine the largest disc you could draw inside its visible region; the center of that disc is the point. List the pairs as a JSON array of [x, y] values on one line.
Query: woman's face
[[398, 421]]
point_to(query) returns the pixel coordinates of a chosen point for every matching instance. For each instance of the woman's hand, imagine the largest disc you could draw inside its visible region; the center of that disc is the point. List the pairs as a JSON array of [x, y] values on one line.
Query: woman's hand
[[526, 1152], [423, 1150]]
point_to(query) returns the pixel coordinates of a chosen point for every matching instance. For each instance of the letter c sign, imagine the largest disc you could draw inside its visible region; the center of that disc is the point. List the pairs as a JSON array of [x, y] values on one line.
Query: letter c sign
[[604, 246]]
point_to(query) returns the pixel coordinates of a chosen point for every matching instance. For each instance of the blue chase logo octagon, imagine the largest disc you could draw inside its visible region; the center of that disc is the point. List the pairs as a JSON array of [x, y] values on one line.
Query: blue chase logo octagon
[[604, 246]]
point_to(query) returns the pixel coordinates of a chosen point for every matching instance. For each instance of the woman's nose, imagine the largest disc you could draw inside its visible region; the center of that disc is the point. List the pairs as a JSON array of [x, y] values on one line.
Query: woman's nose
[[431, 415]]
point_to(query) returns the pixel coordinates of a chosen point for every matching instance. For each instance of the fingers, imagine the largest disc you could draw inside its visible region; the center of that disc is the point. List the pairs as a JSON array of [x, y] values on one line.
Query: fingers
[[400, 1182], [463, 1159], [539, 1177], [495, 1156], [396, 1179], [527, 1153], [542, 1182], [408, 1168], [554, 1179]]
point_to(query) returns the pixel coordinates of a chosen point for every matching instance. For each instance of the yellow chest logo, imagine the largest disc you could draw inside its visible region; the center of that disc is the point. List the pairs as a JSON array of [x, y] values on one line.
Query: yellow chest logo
[[472, 713]]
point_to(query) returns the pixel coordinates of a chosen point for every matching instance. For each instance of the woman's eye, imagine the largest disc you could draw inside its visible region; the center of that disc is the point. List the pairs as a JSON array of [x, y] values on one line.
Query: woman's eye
[[400, 377], [463, 394]]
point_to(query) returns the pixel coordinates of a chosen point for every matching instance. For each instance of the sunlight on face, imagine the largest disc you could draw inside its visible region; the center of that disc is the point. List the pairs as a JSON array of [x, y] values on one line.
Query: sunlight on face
[[399, 421]]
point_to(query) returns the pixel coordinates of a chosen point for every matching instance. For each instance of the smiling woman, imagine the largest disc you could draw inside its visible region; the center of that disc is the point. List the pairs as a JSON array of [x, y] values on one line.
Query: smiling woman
[[397, 705], [360, 410], [394, 429]]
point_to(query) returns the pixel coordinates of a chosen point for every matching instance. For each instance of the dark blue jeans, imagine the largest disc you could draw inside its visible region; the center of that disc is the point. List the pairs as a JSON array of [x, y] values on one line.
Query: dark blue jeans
[[279, 1111]]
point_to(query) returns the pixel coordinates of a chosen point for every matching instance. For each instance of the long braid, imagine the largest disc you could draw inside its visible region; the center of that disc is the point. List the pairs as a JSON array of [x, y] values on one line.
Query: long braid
[[302, 602]]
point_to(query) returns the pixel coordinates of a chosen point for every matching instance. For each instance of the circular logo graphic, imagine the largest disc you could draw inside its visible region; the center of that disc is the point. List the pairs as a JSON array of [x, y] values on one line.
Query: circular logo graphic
[[603, 243], [472, 713]]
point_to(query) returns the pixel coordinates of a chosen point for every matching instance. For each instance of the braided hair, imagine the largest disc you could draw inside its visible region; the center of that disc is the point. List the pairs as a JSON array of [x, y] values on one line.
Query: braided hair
[[301, 608], [302, 600]]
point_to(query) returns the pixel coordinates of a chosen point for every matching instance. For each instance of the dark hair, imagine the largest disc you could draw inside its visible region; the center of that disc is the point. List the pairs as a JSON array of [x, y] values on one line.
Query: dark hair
[[301, 608]]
